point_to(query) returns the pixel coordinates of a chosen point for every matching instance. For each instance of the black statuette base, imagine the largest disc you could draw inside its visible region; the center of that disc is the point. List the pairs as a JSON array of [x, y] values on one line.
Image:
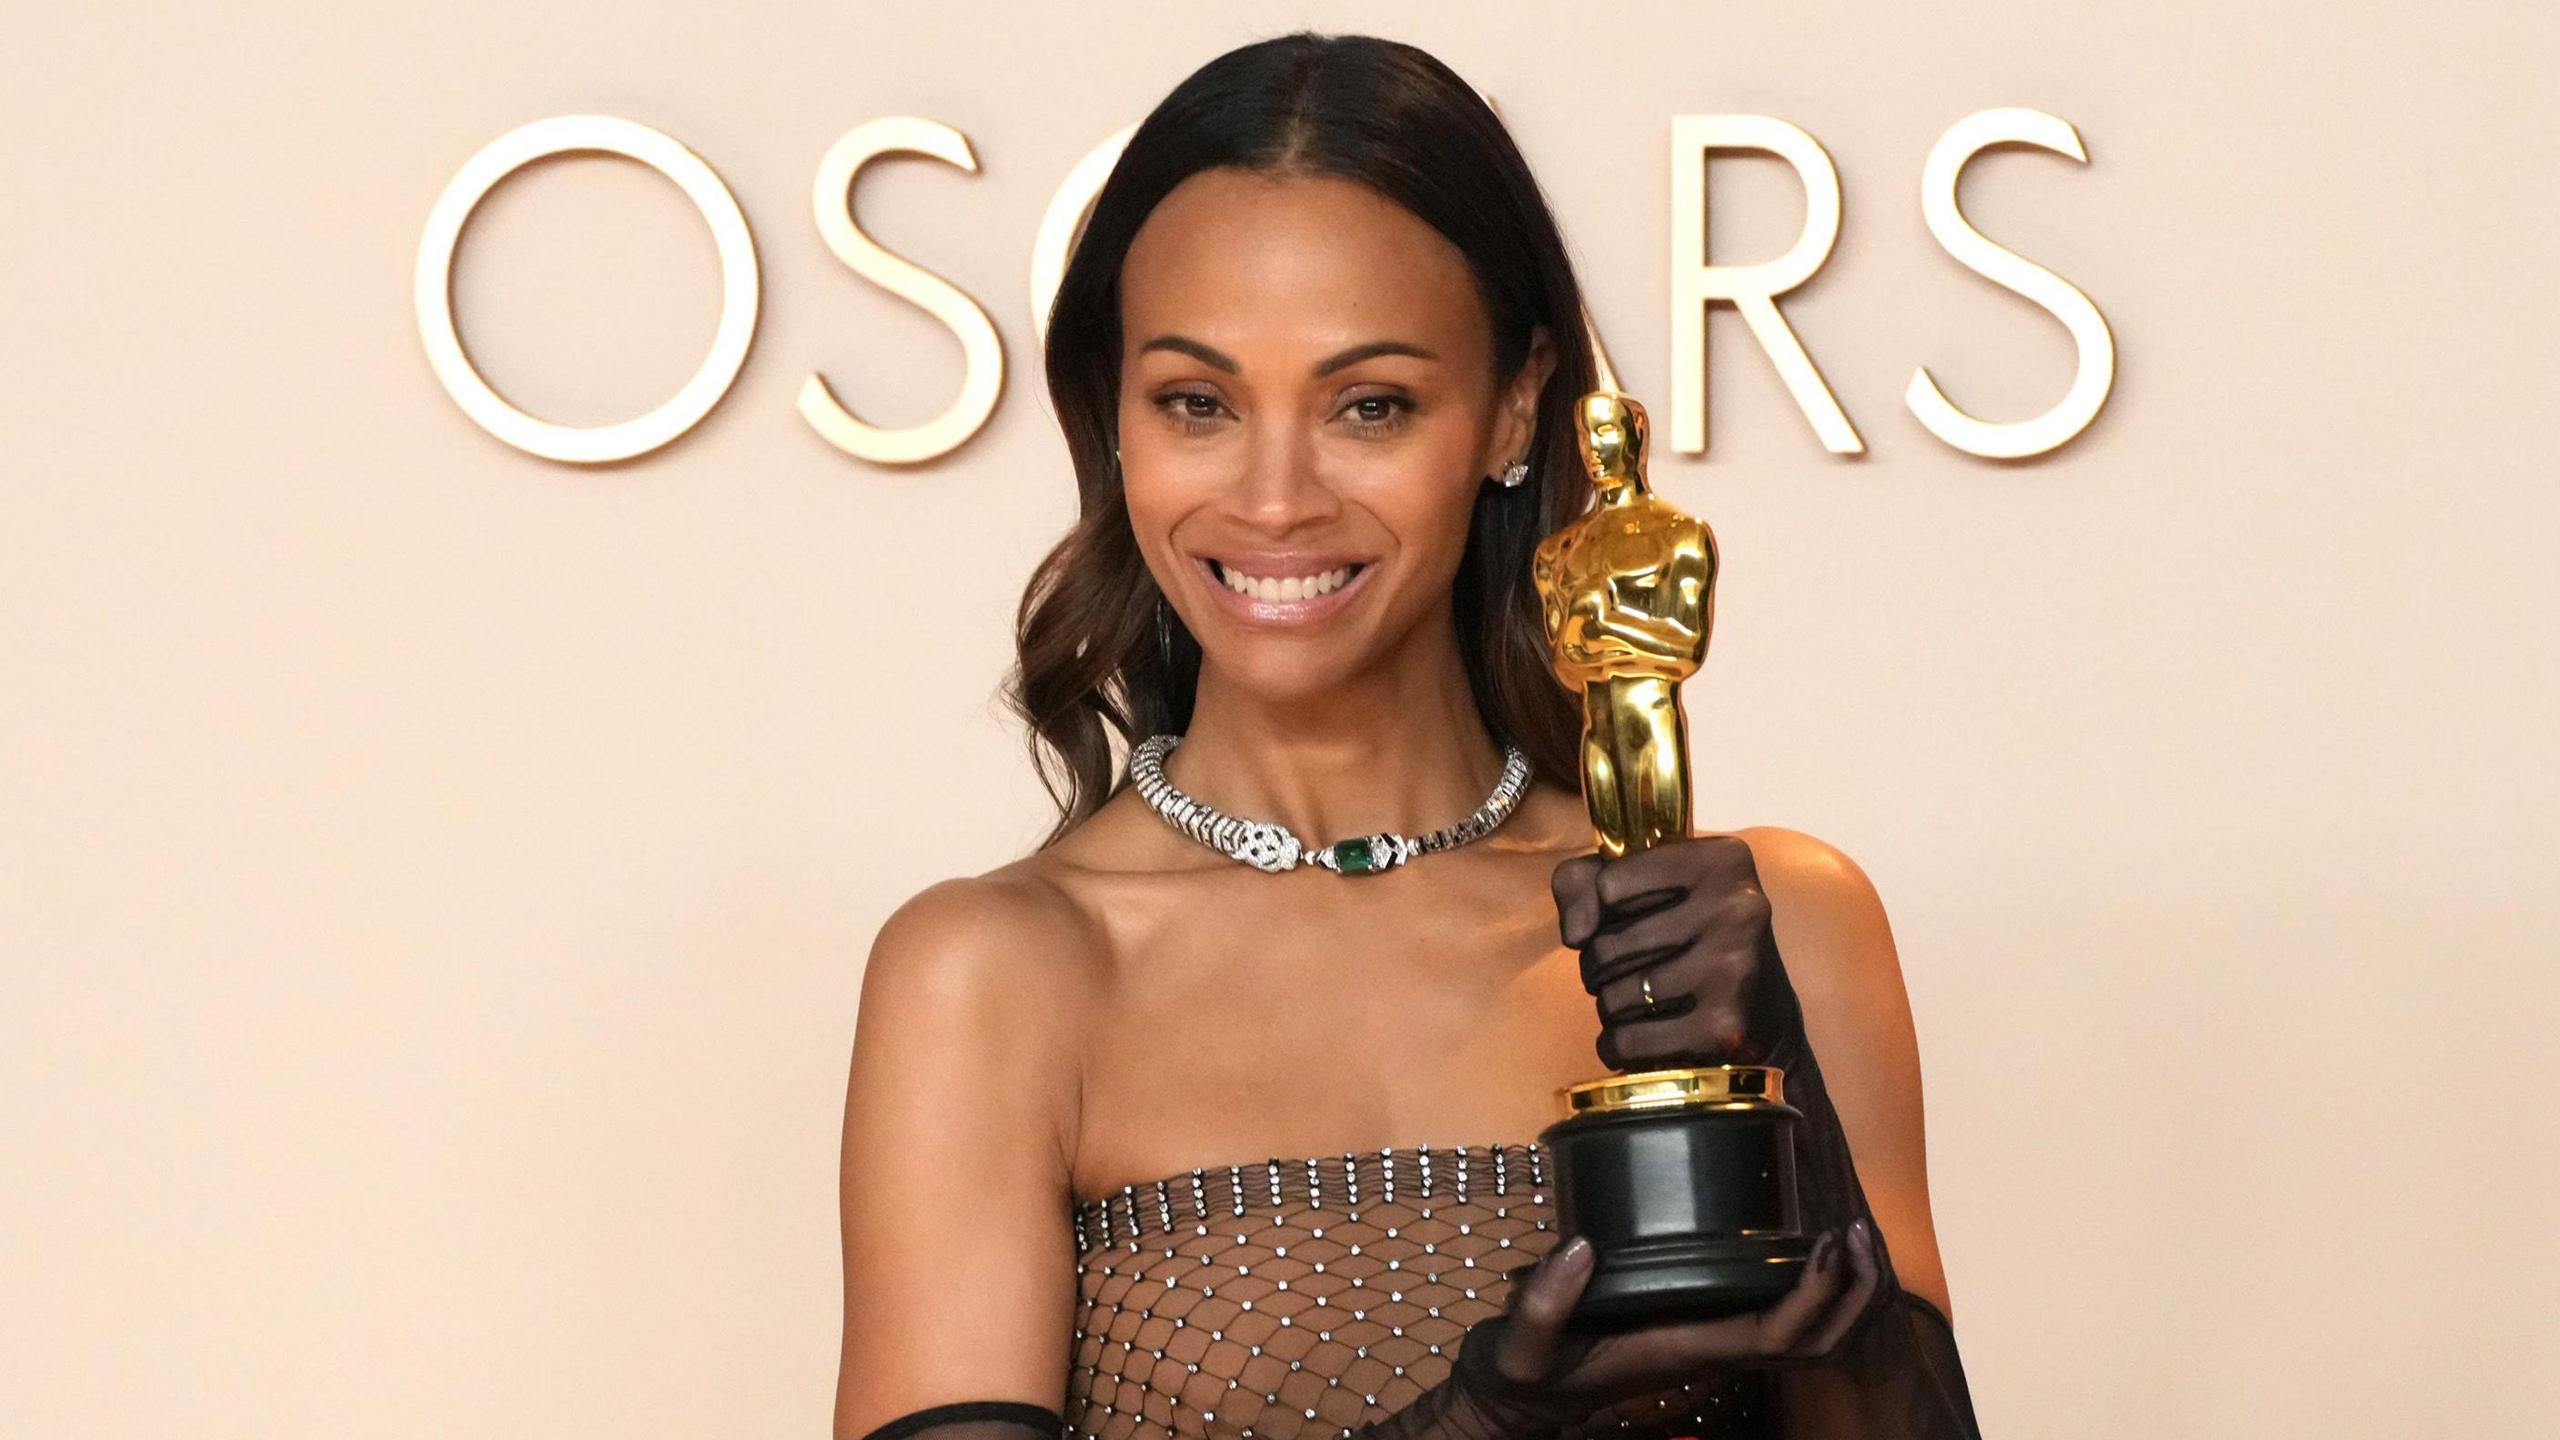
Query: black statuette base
[[1692, 1208]]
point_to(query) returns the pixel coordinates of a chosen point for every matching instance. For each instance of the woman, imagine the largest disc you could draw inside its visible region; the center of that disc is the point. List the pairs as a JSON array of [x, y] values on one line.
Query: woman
[[1143, 1140]]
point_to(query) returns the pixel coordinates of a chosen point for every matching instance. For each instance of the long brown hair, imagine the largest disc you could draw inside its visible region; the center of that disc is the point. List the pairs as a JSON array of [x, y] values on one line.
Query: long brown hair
[[1098, 649]]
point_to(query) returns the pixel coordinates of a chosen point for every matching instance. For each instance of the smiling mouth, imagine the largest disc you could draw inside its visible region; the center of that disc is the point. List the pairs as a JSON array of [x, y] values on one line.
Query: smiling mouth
[[1279, 589]]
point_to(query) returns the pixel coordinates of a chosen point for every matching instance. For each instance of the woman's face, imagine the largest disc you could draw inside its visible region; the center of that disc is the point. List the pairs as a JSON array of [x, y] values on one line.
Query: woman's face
[[1307, 413]]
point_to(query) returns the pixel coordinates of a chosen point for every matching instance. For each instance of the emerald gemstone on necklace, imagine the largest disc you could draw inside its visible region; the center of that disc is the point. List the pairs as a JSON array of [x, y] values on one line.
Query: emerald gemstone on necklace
[[1354, 857]]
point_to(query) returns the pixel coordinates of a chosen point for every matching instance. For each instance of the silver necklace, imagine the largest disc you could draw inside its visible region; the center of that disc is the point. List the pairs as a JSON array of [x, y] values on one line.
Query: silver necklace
[[1266, 846]]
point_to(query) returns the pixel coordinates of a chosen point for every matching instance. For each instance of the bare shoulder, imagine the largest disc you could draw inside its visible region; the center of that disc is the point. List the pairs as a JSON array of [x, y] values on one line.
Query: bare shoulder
[[984, 981], [1819, 869], [960, 1116], [1830, 921], [1839, 951], [1010, 938]]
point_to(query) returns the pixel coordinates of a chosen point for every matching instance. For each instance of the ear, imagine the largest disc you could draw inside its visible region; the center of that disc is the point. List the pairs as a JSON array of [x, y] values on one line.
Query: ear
[[1517, 422]]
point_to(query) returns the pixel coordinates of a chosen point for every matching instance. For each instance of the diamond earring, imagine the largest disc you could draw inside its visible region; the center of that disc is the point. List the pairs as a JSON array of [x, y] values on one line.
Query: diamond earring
[[1514, 474]]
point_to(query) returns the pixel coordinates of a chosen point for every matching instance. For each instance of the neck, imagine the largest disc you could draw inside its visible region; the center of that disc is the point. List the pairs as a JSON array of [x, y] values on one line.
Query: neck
[[1400, 748], [1617, 489]]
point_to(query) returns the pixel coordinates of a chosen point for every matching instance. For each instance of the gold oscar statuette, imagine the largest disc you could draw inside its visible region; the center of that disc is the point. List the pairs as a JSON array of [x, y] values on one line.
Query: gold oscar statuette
[[1684, 1179]]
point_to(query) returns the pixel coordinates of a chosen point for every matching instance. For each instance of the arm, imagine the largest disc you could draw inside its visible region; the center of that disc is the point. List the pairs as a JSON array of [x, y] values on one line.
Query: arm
[[959, 1122], [1900, 1376], [1856, 1014], [1596, 619]]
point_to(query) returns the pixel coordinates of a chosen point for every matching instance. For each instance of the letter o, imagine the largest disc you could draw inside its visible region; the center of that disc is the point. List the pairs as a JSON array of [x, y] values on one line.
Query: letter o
[[559, 135]]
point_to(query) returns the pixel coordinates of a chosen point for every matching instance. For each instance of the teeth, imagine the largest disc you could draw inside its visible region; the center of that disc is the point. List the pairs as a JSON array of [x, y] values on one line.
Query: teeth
[[1289, 587]]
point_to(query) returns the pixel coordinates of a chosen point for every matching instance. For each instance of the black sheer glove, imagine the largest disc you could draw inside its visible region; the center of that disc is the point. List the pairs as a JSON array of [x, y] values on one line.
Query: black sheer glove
[[1522, 1375], [1677, 948], [975, 1420]]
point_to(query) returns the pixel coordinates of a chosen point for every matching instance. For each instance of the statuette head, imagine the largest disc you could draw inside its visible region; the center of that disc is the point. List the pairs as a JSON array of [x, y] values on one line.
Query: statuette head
[[1611, 436]]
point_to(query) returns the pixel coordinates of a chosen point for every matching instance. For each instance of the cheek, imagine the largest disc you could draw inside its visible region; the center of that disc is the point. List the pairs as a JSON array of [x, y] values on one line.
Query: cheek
[[1159, 507], [1426, 496], [1151, 518]]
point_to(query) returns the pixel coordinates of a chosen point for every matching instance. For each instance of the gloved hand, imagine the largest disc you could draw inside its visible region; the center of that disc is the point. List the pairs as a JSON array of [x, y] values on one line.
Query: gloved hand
[[1522, 1374], [1687, 921]]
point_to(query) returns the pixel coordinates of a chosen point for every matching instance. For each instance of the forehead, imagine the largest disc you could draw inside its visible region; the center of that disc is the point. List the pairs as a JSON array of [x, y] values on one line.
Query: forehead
[[1243, 261]]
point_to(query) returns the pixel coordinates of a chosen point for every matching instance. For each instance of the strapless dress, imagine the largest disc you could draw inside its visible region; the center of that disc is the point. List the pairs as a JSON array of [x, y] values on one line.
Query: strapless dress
[[1295, 1298]]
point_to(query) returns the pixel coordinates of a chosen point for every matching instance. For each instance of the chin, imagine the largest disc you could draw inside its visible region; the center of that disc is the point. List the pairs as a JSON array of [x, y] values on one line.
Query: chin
[[1279, 672]]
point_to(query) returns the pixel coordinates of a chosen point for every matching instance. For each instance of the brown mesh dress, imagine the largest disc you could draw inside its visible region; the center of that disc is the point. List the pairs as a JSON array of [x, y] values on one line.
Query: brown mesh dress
[[1302, 1298], [1308, 1298], [1305, 1297]]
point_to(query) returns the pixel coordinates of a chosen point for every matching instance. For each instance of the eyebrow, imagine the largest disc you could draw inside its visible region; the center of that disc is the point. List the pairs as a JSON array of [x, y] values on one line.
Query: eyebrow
[[1183, 344]]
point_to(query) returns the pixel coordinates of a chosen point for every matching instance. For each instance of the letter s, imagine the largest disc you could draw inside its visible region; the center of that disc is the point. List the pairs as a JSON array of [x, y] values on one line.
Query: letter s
[[2095, 374], [982, 378]]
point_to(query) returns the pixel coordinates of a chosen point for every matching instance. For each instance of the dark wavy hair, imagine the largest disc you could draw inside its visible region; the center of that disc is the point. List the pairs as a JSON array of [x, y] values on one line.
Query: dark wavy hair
[[1098, 649]]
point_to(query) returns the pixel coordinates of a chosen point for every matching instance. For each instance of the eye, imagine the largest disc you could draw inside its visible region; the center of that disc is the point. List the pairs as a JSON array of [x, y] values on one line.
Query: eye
[[1191, 411], [1379, 414]]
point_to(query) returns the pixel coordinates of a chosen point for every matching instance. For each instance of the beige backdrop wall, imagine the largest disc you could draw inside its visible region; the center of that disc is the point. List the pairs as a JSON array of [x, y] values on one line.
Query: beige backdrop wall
[[434, 882]]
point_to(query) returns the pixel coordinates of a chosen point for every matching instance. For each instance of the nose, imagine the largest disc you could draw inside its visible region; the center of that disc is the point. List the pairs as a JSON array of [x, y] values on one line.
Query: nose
[[1280, 489]]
